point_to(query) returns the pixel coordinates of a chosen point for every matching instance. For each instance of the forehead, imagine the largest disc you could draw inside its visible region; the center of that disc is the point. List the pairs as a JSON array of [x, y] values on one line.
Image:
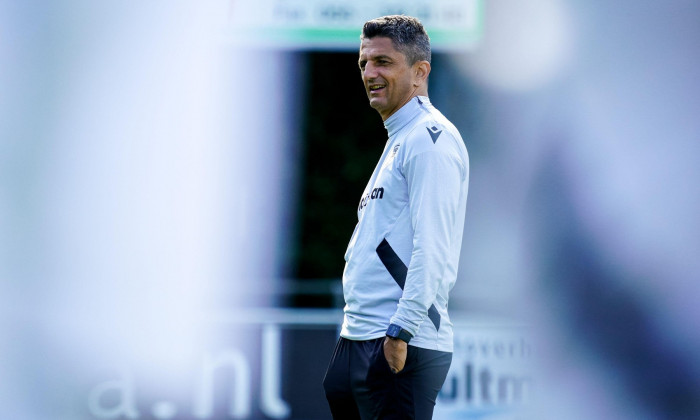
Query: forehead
[[379, 45]]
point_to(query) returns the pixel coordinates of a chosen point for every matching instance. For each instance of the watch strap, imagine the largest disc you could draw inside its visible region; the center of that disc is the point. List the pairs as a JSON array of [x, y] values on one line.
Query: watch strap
[[395, 331]]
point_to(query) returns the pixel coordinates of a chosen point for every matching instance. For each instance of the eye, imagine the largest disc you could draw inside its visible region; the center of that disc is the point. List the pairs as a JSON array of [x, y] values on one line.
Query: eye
[[363, 63]]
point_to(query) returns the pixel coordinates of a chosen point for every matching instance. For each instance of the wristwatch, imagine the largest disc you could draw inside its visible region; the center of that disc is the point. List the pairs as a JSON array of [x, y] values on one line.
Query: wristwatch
[[394, 331]]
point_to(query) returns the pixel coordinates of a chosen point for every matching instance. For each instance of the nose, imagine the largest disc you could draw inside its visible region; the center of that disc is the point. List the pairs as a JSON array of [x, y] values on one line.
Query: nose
[[370, 71]]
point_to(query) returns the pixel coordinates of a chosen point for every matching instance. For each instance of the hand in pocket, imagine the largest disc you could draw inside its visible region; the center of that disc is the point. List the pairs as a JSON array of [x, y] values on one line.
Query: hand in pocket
[[395, 352]]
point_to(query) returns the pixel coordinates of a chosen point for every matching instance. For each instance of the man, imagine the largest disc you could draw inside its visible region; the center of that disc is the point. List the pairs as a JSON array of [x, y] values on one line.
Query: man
[[396, 340]]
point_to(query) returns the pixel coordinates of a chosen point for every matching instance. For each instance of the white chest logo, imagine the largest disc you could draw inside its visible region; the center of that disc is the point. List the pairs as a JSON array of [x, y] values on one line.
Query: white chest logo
[[389, 159]]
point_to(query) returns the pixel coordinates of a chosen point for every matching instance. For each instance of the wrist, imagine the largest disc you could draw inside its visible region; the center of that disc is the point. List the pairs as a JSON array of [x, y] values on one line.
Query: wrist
[[396, 332]]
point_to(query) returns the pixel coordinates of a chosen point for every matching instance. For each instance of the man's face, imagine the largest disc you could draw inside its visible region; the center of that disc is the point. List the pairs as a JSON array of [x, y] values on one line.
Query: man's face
[[387, 77]]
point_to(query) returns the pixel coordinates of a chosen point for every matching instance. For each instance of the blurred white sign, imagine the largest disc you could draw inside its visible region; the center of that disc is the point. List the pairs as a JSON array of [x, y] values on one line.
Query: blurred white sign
[[491, 375], [328, 24]]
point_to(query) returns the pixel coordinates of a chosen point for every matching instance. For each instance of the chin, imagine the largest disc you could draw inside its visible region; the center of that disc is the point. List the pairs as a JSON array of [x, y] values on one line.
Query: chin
[[376, 104]]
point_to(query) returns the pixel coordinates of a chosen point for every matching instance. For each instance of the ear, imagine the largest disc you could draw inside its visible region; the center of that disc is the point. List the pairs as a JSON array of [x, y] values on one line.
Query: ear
[[421, 71]]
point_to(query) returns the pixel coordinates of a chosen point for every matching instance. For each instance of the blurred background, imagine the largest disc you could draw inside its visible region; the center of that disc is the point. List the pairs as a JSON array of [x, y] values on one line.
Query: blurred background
[[179, 180]]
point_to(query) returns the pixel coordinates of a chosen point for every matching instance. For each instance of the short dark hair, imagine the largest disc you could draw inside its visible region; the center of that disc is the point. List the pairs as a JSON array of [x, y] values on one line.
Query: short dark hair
[[406, 33]]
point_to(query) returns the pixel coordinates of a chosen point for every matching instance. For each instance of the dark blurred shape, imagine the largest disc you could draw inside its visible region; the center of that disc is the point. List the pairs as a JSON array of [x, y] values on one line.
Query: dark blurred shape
[[600, 318]]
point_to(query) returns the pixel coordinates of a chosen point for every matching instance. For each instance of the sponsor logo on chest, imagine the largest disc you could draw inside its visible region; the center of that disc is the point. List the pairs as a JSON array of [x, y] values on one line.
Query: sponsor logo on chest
[[376, 194]]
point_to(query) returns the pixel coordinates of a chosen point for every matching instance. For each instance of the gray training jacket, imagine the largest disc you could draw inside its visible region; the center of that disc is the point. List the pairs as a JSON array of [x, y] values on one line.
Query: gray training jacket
[[402, 259]]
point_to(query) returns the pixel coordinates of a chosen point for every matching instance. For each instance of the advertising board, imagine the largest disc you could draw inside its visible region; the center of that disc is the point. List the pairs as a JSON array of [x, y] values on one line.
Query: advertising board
[[336, 25], [269, 364]]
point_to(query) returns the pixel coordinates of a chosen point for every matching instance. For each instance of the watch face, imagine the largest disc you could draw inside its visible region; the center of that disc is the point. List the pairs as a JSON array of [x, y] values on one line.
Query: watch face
[[393, 331]]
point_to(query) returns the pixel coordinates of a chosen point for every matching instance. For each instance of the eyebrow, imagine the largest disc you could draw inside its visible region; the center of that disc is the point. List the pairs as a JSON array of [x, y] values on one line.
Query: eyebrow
[[375, 58]]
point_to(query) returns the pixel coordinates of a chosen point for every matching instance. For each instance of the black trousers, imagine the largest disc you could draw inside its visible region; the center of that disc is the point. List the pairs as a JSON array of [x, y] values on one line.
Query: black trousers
[[360, 385]]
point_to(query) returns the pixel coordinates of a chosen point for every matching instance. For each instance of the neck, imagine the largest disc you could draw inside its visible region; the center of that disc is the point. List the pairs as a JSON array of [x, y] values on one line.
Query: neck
[[417, 91]]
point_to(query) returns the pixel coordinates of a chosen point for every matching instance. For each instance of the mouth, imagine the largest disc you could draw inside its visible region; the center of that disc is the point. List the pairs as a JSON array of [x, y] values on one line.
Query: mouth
[[376, 88]]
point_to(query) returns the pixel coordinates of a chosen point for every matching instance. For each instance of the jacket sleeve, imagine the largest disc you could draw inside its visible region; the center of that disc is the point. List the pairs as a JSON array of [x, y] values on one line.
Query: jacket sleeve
[[434, 179]]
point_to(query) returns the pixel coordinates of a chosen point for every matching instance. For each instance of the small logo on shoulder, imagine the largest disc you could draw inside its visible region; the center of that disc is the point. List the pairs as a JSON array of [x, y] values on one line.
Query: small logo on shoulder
[[434, 133], [396, 149]]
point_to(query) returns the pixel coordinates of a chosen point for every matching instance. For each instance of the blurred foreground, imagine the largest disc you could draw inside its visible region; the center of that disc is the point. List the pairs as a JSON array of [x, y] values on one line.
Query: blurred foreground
[[160, 184]]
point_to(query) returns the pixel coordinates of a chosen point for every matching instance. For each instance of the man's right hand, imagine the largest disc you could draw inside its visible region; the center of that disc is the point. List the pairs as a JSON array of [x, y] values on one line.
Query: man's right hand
[[395, 351]]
